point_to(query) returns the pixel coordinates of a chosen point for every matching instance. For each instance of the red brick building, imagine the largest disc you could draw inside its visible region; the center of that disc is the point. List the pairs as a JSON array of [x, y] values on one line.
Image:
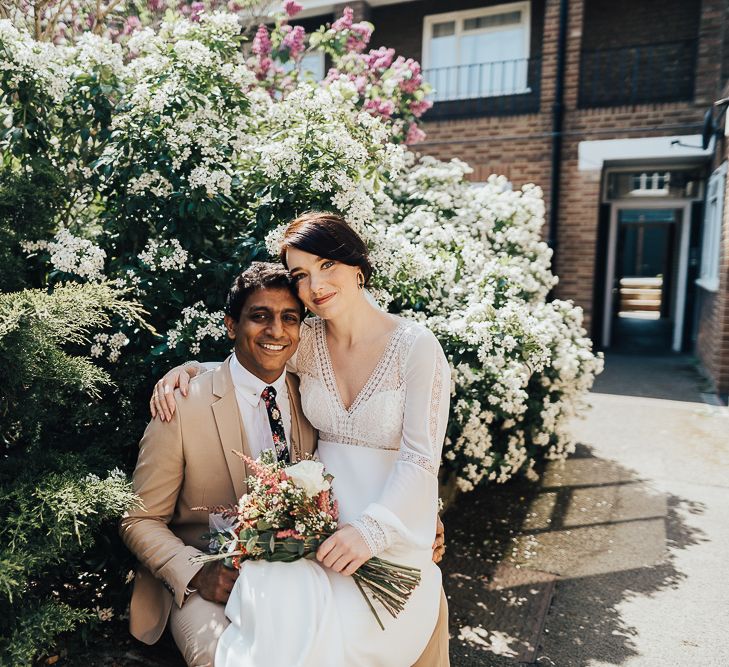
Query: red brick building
[[603, 103]]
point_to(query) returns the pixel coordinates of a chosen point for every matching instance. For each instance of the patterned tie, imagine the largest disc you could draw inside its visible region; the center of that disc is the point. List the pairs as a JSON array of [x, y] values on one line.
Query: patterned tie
[[277, 429]]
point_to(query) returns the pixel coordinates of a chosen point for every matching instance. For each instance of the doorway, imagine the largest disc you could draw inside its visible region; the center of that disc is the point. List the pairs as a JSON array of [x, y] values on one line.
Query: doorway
[[646, 281]]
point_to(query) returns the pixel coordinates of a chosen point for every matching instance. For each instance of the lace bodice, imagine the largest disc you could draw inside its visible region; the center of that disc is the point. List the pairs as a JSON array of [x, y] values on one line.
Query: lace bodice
[[382, 397]]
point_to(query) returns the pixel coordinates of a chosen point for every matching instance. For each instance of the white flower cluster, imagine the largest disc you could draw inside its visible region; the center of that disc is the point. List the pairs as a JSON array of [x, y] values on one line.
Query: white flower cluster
[[469, 263], [72, 254], [164, 255], [187, 92], [37, 65], [109, 344], [196, 324]]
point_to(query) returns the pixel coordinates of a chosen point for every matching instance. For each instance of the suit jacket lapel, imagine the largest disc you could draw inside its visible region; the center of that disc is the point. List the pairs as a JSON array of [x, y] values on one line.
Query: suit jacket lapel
[[230, 428]]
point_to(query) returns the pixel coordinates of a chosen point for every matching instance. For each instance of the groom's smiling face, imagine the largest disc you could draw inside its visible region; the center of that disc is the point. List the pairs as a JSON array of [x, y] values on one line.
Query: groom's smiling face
[[267, 333]]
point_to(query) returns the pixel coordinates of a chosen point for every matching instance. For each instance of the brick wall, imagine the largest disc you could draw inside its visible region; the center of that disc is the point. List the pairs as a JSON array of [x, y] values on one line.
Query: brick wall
[[712, 345], [617, 23]]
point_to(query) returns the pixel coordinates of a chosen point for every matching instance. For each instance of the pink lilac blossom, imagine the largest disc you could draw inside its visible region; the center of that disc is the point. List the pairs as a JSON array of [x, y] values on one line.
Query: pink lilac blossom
[[381, 107], [196, 9], [419, 107], [156, 5], [380, 58], [294, 41], [412, 77], [131, 24], [414, 135], [262, 42], [359, 37], [345, 21], [360, 82], [292, 8]]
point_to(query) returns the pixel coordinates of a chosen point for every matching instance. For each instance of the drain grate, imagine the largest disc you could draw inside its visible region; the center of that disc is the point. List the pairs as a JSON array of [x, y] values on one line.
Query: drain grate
[[498, 615]]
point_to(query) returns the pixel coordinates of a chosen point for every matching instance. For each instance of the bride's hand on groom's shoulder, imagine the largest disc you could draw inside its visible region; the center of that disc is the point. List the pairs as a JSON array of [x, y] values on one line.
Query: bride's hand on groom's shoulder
[[345, 551], [162, 404]]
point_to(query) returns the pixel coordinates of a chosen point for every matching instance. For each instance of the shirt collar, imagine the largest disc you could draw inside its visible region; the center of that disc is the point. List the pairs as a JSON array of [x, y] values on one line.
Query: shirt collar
[[249, 386]]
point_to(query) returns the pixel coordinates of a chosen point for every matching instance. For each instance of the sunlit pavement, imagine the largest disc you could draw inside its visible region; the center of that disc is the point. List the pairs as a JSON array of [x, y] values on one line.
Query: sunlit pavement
[[618, 556]]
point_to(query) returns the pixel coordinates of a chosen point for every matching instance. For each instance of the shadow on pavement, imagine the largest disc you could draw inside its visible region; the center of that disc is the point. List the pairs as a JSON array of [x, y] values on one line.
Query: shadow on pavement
[[666, 376], [590, 535]]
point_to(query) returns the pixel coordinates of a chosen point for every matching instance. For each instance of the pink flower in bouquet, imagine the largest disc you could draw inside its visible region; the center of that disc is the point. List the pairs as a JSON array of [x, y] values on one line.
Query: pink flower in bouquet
[[419, 107], [290, 533], [234, 6], [380, 58], [345, 21], [156, 5], [414, 135], [294, 41], [380, 107], [292, 8], [262, 42]]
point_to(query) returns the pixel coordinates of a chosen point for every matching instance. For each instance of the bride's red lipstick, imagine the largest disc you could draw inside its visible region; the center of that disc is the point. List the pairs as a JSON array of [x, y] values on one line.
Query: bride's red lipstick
[[324, 299]]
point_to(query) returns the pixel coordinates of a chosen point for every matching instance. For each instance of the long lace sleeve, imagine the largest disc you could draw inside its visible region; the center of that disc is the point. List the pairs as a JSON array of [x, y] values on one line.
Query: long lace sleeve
[[407, 509]]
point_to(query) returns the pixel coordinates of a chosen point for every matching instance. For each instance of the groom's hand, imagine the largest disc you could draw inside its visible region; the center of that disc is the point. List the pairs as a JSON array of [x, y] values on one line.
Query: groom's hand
[[344, 552], [439, 542], [214, 582]]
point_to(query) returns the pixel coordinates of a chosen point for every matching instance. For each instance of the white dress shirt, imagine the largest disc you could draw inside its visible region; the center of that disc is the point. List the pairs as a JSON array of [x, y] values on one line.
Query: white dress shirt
[[248, 389]]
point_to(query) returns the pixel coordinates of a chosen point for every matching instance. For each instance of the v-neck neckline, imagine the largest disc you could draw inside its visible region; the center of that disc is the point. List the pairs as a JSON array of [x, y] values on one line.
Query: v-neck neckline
[[371, 379]]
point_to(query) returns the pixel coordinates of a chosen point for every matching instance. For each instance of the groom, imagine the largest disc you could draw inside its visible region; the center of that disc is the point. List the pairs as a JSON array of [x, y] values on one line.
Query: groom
[[189, 461]]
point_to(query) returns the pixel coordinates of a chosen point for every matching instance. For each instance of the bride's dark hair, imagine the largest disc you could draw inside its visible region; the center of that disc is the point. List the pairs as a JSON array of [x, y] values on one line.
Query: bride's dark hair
[[327, 235]]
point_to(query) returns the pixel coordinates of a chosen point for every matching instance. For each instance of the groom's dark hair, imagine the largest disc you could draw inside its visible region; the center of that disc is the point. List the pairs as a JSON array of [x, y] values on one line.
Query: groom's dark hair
[[257, 276]]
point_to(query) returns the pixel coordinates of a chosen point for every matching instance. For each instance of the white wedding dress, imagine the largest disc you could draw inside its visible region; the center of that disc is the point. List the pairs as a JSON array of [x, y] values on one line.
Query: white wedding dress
[[384, 453]]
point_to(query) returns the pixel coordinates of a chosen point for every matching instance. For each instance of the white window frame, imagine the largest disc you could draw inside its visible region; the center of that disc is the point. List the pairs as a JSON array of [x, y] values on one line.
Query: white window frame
[[460, 16], [711, 241]]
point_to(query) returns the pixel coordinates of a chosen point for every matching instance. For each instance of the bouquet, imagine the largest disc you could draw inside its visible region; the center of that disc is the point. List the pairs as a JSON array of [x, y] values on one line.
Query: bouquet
[[286, 514]]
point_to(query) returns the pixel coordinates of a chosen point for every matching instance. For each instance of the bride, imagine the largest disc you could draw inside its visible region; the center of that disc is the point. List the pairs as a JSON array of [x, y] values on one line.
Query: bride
[[376, 387]]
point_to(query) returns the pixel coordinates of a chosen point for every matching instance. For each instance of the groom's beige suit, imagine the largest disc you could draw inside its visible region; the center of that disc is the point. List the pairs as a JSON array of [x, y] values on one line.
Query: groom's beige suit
[[190, 462]]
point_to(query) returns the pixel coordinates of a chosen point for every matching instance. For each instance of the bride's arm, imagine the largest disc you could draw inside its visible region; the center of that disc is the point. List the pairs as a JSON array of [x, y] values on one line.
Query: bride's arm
[[407, 509], [162, 403], [408, 506]]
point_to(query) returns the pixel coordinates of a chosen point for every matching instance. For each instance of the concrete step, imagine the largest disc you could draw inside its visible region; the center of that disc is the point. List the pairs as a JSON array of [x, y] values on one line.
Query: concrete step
[[641, 293], [640, 304], [642, 282]]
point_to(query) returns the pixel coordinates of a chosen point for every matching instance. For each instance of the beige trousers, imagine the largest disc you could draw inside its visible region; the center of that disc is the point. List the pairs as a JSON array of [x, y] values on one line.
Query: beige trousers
[[196, 628], [198, 624]]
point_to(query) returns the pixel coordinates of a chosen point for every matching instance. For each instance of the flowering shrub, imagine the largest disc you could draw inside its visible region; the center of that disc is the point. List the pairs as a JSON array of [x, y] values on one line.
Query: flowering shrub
[[173, 158], [201, 164]]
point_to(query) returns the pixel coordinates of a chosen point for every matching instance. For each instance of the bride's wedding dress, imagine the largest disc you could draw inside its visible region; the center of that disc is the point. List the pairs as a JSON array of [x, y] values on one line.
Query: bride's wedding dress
[[384, 452]]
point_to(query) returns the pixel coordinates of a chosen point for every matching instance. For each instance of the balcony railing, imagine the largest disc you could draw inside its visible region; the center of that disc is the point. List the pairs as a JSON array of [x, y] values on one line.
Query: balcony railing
[[503, 87], [638, 74]]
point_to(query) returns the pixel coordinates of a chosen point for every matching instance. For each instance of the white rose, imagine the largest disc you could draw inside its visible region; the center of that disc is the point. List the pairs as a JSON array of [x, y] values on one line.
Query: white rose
[[309, 476]]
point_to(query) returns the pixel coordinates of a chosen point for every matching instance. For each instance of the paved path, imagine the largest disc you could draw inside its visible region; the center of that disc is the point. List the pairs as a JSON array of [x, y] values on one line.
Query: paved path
[[626, 544], [618, 556]]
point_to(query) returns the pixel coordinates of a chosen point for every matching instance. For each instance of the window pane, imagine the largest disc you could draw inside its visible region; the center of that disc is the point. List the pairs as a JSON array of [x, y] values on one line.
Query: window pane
[[492, 21], [444, 29], [443, 71], [493, 63], [313, 63]]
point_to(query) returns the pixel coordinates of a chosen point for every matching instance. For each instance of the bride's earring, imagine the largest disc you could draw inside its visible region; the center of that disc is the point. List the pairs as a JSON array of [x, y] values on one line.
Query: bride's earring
[[360, 281]]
